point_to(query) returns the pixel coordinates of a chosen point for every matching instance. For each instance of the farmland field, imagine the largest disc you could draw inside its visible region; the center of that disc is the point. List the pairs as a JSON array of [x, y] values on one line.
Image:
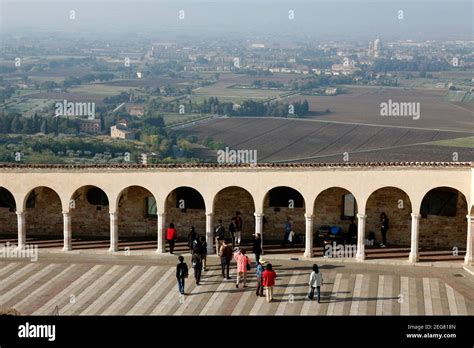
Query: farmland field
[[362, 105], [300, 140]]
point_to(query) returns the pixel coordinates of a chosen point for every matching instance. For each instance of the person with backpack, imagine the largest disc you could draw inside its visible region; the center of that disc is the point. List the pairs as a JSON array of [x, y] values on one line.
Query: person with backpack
[[219, 236], [171, 236], [383, 229], [238, 227], [203, 252], [181, 274], [192, 236], [268, 281], [232, 230], [315, 282], [243, 265], [259, 273], [225, 253], [197, 265], [257, 246]]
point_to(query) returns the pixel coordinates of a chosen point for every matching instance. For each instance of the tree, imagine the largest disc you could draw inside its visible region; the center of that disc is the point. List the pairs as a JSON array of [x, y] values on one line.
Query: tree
[[44, 127], [16, 124]]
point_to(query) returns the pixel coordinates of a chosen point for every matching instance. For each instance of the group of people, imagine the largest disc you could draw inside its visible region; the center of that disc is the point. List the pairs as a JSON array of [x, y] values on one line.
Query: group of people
[[265, 274]]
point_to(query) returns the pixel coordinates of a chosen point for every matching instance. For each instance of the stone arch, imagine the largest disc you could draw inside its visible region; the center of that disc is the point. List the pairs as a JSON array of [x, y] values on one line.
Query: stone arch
[[43, 216], [231, 199], [137, 219], [185, 207], [396, 204], [280, 202], [8, 219], [443, 224], [90, 218]]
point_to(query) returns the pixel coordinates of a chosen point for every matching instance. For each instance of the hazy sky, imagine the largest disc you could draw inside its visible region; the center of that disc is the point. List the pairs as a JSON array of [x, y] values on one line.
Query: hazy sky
[[434, 19]]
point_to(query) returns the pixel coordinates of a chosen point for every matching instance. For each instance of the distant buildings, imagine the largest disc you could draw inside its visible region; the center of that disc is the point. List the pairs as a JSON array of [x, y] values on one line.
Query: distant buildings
[[375, 48], [88, 126], [121, 131]]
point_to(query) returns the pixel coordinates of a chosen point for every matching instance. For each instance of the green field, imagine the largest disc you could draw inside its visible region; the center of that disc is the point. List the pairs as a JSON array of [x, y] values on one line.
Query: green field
[[467, 142], [99, 89]]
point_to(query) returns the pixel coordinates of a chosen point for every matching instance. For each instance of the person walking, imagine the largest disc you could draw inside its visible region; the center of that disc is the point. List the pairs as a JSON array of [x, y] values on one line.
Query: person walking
[[315, 282], [268, 281], [383, 229], [257, 246], [171, 236], [197, 265], [288, 229], [225, 254], [238, 226], [192, 236], [181, 274], [233, 230], [203, 252], [219, 235], [243, 265], [259, 273]]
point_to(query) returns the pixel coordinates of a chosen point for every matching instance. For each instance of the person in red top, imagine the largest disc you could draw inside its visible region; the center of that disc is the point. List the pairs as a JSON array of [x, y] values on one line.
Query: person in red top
[[171, 236], [268, 281]]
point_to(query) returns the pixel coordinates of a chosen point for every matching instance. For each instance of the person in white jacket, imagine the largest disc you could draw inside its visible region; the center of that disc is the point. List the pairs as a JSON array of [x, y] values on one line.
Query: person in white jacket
[[315, 282]]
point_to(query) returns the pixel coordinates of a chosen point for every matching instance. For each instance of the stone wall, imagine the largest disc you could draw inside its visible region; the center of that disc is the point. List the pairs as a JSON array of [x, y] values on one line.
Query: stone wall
[[183, 220], [396, 205], [8, 222]]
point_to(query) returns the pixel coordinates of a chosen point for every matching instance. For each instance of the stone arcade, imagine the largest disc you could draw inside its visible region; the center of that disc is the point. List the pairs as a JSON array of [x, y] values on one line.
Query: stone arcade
[[135, 200]]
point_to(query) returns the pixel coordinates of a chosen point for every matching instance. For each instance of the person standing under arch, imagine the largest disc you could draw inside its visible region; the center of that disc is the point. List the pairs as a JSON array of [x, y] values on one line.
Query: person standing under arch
[[238, 225], [171, 236], [383, 229]]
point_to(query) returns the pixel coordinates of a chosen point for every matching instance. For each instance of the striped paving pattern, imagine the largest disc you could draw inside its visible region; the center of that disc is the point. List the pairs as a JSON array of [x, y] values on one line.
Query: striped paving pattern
[[107, 289]]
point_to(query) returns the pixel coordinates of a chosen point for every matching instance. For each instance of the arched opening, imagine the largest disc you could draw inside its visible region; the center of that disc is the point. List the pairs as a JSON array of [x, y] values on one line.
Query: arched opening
[[230, 201], [396, 205], [185, 207], [8, 219], [334, 210], [443, 225], [281, 203], [44, 218], [137, 219], [90, 218]]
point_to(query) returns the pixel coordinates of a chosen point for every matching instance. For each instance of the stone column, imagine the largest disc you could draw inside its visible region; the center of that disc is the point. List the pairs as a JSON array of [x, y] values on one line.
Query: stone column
[[210, 232], [67, 231], [21, 229], [259, 226], [415, 237], [469, 259], [360, 256], [113, 232], [161, 248], [309, 236]]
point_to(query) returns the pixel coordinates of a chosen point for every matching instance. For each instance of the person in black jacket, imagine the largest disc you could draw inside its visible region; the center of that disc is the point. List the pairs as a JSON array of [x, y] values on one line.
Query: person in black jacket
[[192, 236], [197, 265], [181, 274], [233, 230], [203, 252], [257, 246], [383, 229]]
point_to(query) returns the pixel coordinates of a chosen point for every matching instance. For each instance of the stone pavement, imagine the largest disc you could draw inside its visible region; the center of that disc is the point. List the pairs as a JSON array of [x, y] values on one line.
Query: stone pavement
[[90, 284]]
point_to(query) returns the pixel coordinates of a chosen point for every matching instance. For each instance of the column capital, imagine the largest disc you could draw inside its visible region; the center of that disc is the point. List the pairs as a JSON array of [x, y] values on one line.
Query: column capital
[[415, 215], [258, 215], [209, 213], [19, 213], [66, 213], [113, 213], [308, 216], [361, 216], [470, 217]]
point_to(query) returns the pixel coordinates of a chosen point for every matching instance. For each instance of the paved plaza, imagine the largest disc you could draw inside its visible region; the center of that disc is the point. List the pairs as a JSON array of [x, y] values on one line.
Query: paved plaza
[[88, 284]]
